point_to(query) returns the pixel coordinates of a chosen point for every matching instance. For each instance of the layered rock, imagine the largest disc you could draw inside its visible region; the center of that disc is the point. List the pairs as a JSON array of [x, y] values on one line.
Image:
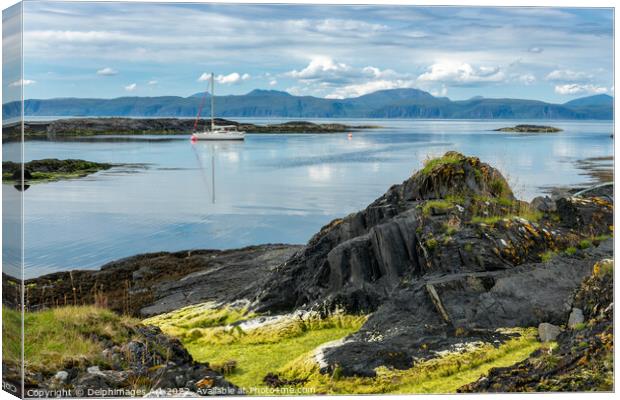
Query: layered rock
[[583, 359], [446, 257]]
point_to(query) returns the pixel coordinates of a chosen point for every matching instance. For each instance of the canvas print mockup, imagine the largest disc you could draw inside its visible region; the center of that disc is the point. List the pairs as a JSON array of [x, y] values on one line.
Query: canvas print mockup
[[270, 199]]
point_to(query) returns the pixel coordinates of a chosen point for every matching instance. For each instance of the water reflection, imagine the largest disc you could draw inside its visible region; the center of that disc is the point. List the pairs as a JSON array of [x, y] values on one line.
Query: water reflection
[[206, 153]]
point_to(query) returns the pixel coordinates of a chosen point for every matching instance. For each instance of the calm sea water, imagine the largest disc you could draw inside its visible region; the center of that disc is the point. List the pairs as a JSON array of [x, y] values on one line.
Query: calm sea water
[[268, 189]]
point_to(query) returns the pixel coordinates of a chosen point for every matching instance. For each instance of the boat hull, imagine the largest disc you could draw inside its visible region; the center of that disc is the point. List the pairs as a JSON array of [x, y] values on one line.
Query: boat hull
[[218, 136]]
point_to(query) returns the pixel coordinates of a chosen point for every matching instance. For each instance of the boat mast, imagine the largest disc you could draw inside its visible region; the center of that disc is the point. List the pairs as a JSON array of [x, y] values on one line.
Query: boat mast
[[212, 103]]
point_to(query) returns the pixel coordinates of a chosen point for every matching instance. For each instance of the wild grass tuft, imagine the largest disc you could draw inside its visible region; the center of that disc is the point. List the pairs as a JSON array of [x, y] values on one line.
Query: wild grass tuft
[[52, 337], [570, 250], [547, 256], [584, 244], [432, 163], [442, 205]]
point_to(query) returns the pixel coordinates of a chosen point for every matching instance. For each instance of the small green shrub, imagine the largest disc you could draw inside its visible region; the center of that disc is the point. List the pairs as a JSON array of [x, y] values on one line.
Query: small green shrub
[[547, 256], [449, 230], [492, 220], [584, 244], [431, 244], [498, 187], [570, 251], [580, 326], [442, 205]]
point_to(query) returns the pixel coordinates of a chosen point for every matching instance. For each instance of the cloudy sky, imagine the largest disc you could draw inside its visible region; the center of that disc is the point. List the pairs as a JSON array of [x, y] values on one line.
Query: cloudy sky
[[137, 49]]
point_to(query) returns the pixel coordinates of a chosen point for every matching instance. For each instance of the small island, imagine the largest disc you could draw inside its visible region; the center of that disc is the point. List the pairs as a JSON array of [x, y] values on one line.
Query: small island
[[80, 127], [50, 169], [530, 129]]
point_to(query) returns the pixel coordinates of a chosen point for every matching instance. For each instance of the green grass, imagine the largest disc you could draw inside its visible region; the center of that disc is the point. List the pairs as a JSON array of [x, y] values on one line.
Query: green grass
[[11, 334], [499, 187], [491, 220], [431, 164], [528, 215], [547, 256], [257, 351], [600, 238], [254, 361], [570, 250], [449, 230], [441, 205], [579, 326], [180, 322], [441, 375], [431, 244], [55, 336], [284, 347], [584, 244]]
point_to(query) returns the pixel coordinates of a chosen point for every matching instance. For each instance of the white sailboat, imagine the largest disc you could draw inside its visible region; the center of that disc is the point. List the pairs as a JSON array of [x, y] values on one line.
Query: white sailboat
[[217, 132]]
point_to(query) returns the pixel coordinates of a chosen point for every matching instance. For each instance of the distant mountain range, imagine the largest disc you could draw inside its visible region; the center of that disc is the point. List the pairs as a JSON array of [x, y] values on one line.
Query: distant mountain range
[[395, 103]]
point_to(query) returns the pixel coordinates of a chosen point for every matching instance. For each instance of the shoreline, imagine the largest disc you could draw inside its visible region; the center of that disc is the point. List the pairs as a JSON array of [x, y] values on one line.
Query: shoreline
[[89, 127]]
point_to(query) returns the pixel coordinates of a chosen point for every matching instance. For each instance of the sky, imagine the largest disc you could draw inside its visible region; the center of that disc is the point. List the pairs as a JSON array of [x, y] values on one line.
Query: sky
[[108, 50]]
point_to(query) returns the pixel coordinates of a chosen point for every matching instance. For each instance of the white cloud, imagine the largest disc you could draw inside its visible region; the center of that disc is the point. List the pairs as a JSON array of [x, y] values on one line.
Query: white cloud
[[567, 75], [153, 82], [341, 25], [321, 68], [24, 82], [204, 77], [575, 88], [225, 79], [131, 87], [461, 74], [337, 80], [361, 89], [51, 36], [323, 76], [107, 71], [273, 82], [535, 49]]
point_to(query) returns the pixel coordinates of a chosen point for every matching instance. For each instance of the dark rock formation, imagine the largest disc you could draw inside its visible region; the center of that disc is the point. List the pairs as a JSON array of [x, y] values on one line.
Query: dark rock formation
[[446, 257], [530, 129], [154, 283], [50, 168], [583, 360]]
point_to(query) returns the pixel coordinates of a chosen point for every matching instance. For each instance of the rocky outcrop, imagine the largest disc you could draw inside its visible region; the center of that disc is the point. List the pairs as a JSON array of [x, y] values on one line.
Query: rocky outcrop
[[583, 359], [530, 129], [149, 361], [155, 283], [50, 168], [446, 257]]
